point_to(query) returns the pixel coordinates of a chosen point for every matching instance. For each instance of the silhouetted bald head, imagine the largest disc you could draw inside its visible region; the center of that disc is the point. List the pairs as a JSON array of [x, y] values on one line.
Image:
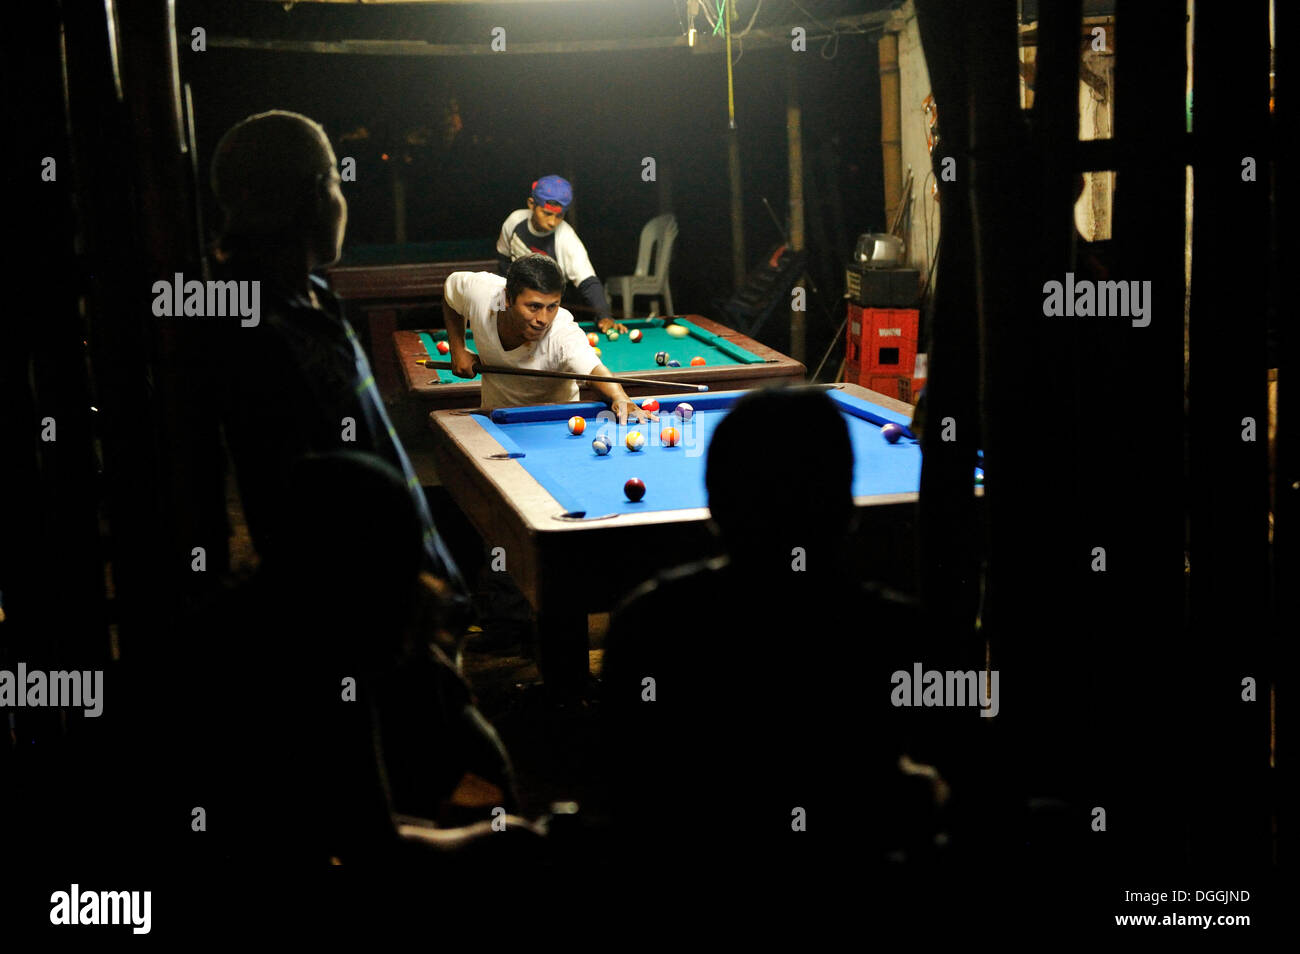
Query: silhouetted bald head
[[268, 172], [780, 475]]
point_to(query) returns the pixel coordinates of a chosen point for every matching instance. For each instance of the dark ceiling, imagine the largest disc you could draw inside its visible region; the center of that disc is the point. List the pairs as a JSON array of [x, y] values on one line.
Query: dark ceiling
[[468, 23]]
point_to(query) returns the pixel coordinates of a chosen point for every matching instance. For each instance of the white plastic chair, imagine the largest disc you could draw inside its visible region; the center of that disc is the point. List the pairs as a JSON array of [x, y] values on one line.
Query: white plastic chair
[[657, 240]]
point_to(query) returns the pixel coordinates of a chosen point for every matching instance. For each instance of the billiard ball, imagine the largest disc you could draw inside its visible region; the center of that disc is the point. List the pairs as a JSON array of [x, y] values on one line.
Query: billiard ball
[[674, 364], [597, 350], [669, 436], [600, 445], [635, 441], [635, 336], [677, 331], [591, 338], [891, 432], [661, 357], [634, 488], [684, 411], [443, 347], [577, 424], [697, 362], [612, 335], [650, 405]]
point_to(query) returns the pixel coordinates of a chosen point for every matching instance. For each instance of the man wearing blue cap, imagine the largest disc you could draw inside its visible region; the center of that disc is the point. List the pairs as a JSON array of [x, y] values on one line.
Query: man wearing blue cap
[[541, 228]]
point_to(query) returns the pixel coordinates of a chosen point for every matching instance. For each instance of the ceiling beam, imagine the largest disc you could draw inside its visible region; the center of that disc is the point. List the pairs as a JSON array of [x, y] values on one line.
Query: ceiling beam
[[756, 39]]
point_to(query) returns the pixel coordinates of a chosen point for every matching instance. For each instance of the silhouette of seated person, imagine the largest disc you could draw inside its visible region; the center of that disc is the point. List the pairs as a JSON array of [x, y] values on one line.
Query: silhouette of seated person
[[770, 665], [322, 706], [297, 381]]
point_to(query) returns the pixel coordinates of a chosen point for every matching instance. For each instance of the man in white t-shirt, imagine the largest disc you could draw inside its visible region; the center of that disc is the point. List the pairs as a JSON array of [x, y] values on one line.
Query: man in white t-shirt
[[518, 323], [541, 228]]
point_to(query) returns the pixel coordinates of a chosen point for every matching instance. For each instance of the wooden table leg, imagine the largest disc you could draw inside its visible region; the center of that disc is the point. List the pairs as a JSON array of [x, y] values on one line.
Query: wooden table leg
[[380, 325]]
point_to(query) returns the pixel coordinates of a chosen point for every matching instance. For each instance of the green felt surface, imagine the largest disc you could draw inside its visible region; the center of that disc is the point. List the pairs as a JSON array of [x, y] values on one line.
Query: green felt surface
[[623, 355]]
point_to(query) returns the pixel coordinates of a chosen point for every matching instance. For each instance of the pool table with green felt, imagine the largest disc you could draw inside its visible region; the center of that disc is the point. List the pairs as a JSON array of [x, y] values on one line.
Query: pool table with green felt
[[733, 361], [378, 282]]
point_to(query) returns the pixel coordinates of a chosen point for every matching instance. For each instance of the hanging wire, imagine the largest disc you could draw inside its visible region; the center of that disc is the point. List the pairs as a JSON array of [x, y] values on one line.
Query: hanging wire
[[750, 25]]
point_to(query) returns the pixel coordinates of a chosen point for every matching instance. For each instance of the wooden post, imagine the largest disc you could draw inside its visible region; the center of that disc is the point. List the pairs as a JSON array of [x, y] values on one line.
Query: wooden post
[[891, 128], [737, 211], [733, 169], [794, 137]]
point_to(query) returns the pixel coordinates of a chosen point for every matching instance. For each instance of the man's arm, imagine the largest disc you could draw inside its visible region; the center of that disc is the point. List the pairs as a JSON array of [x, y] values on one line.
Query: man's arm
[[619, 402], [503, 247], [462, 359], [577, 356], [593, 293], [578, 269]]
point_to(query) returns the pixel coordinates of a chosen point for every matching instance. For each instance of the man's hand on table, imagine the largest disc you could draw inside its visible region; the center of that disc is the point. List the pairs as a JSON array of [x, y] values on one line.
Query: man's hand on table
[[625, 407], [609, 324]]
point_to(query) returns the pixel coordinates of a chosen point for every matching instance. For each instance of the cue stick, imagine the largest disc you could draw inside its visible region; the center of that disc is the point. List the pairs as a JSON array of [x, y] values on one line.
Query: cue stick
[[564, 375]]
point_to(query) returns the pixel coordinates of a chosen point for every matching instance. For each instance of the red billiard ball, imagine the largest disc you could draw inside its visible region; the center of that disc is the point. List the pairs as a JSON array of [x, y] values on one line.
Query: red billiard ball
[[635, 336], [634, 488], [891, 432], [697, 362], [669, 436], [650, 405], [443, 347], [577, 424], [591, 338]]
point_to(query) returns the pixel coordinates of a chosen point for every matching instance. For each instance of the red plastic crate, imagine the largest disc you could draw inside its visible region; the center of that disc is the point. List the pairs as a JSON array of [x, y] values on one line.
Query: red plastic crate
[[881, 346]]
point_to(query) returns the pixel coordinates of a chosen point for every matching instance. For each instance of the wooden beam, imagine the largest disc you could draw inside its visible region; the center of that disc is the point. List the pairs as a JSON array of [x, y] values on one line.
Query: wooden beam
[[408, 3], [755, 40]]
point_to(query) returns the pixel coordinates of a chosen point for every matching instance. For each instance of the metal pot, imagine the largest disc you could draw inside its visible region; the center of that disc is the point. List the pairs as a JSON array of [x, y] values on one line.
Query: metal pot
[[879, 250]]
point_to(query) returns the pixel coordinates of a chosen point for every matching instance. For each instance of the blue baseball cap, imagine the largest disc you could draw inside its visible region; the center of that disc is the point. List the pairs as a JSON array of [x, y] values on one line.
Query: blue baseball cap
[[552, 190]]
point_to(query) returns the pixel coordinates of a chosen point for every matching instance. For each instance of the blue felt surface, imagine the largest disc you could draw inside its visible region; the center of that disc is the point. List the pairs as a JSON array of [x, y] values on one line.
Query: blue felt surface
[[674, 476]]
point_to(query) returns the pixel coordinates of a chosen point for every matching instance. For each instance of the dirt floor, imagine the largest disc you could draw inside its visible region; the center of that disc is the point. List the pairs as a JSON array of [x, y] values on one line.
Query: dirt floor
[[556, 751]]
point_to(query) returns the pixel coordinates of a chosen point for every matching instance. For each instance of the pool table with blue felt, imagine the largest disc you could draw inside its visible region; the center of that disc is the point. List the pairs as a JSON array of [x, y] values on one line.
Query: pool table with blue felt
[[558, 510]]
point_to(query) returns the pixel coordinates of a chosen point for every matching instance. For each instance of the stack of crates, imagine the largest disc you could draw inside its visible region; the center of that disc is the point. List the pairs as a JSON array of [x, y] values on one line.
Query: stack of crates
[[880, 353]]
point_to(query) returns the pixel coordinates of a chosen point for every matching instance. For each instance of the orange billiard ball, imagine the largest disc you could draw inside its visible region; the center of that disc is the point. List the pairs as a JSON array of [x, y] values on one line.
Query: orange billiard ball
[[577, 424], [697, 361], [669, 436], [591, 338]]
